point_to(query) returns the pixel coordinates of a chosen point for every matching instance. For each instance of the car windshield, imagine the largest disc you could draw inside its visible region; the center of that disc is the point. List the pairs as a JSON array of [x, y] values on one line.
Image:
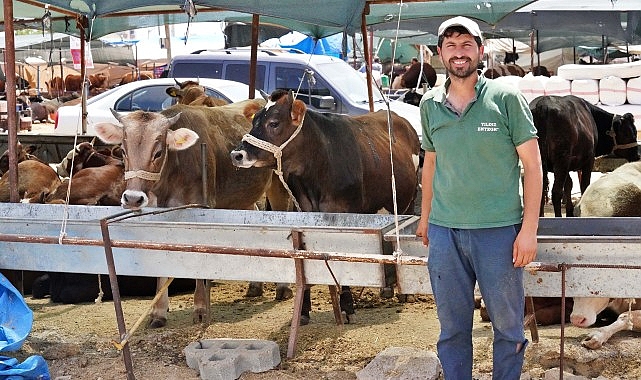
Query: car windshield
[[348, 81]]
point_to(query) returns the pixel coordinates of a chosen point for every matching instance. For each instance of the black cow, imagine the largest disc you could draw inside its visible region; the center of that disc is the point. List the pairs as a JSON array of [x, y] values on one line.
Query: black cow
[[334, 163], [572, 133]]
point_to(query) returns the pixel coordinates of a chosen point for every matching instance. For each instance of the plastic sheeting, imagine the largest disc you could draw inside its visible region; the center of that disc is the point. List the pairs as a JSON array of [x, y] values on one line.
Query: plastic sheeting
[[15, 325]]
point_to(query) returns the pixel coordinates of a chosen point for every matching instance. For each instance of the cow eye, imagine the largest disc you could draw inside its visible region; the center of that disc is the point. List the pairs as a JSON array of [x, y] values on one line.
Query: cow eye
[[273, 124], [157, 154]]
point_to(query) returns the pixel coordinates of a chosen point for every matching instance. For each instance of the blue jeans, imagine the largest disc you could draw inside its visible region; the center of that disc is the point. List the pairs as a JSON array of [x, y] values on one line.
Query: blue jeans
[[458, 258]]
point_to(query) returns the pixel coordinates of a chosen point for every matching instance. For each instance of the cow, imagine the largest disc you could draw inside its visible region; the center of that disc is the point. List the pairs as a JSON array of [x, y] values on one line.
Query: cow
[[411, 76], [331, 162], [74, 82], [163, 162], [134, 76], [572, 132], [35, 178], [615, 194], [22, 153], [55, 87], [504, 70], [21, 84], [98, 185], [192, 93]]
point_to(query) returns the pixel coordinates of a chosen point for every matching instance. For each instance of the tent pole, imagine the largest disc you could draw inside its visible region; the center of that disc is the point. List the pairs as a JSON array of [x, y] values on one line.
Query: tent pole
[[254, 56], [368, 57], [12, 116]]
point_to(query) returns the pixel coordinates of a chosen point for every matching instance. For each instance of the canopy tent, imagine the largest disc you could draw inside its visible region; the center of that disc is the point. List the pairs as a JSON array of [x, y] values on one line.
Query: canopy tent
[[332, 45]]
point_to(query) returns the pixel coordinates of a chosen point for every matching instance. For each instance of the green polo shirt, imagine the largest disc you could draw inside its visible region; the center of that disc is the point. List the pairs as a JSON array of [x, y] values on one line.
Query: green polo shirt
[[476, 180]]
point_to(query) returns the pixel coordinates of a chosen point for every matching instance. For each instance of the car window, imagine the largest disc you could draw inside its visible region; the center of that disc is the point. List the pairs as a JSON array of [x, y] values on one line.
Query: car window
[[305, 82], [151, 98], [239, 72], [194, 69]]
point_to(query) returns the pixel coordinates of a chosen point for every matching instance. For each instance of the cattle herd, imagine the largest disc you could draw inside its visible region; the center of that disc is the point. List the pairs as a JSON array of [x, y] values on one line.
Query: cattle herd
[[278, 153]]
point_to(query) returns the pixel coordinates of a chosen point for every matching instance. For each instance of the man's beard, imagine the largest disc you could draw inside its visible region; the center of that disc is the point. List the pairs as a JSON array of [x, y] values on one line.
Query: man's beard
[[461, 72]]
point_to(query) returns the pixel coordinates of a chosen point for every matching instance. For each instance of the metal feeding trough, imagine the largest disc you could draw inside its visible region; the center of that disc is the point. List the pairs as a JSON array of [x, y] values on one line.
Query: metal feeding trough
[[181, 242], [598, 257]]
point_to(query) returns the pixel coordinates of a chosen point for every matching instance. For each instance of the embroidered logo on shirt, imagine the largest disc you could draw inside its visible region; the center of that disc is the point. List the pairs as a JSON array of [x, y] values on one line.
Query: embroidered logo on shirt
[[487, 127]]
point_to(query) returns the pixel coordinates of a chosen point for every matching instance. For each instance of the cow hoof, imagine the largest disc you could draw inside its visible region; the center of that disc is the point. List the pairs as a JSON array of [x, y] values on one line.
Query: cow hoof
[[283, 293], [348, 318], [592, 342], [406, 298], [255, 289], [387, 292], [304, 320], [200, 316], [157, 322]]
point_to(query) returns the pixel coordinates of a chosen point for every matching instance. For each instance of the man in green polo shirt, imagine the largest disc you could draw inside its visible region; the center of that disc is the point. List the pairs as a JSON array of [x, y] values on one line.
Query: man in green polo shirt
[[476, 226]]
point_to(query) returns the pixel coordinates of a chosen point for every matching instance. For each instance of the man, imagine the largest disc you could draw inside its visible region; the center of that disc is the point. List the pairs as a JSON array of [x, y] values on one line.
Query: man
[[475, 131]]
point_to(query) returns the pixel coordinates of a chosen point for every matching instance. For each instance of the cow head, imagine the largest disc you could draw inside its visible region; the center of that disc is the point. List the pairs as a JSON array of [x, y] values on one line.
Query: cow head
[[273, 127], [624, 134], [185, 92], [145, 139], [22, 153], [585, 310]]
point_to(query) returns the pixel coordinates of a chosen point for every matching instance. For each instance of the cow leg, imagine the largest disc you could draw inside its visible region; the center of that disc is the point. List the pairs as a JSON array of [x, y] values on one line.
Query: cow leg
[[255, 289], [567, 197], [307, 307], [201, 302], [560, 177], [159, 310], [544, 195], [283, 292], [598, 337], [346, 301]]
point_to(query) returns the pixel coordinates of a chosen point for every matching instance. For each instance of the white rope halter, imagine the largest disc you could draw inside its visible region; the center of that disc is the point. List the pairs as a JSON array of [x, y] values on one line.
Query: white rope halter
[[277, 151]]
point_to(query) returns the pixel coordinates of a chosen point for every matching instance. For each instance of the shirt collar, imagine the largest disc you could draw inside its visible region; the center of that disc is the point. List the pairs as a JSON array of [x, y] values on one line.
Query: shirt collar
[[441, 92]]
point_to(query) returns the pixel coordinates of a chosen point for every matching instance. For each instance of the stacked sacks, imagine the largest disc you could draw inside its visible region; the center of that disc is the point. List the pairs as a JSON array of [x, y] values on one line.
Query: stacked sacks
[[532, 86], [587, 89], [633, 91], [557, 86], [612, 91]]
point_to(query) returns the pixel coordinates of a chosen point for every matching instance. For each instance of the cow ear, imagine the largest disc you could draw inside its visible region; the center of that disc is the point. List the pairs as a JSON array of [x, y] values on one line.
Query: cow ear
[[181, 138], [109, 133], [298, 112], [172, 91], [251, 108]]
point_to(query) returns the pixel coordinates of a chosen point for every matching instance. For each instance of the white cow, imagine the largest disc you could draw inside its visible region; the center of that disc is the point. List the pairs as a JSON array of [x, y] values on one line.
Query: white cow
[[615, 194]]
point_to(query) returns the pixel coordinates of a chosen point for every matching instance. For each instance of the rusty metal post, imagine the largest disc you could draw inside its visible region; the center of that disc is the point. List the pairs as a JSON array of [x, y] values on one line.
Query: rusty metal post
[[368, 57], [10, 86], [115, 290], [297, 241]]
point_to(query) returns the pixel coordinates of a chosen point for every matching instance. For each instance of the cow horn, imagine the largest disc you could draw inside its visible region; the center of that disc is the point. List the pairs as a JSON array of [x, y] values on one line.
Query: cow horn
[[116, 114], [178, 83], [93, 140], [264, 94]]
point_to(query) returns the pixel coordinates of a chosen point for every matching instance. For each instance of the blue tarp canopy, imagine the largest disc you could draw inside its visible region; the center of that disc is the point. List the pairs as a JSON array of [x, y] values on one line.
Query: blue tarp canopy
[[331, 45]]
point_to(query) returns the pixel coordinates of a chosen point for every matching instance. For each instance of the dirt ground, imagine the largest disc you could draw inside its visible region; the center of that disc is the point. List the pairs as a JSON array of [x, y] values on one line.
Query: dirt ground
[[76, 340]]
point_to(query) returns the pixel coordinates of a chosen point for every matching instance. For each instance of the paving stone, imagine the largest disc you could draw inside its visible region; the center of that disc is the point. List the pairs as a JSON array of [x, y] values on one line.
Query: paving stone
[[227, 359]]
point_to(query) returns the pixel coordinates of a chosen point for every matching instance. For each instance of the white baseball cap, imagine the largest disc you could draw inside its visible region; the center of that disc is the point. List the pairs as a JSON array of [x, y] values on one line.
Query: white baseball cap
[[465, 22]]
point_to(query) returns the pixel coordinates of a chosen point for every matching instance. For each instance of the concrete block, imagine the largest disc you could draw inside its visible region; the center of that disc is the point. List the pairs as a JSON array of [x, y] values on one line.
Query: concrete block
[[402, 363], [227, 359]]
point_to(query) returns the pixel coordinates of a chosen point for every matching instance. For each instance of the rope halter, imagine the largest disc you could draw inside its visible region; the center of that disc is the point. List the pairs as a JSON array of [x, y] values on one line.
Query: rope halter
[[277, 151], [613, 134]]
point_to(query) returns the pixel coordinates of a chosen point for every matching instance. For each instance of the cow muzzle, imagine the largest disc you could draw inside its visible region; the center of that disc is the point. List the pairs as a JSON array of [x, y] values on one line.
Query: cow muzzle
[[239, 158], [134, 199]]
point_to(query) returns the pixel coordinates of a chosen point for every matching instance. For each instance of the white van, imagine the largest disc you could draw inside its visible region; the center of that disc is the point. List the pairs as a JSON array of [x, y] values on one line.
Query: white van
[[330, 83]]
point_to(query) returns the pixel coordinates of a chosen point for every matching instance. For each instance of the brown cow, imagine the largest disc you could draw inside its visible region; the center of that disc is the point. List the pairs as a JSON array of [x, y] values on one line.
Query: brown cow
[[34, 179], [99, 185], [163, 161], [504, 70], [192, 93], [55, 87], [333, 163], [411, 76], [22, 153], [132, 77], [73, 82]]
